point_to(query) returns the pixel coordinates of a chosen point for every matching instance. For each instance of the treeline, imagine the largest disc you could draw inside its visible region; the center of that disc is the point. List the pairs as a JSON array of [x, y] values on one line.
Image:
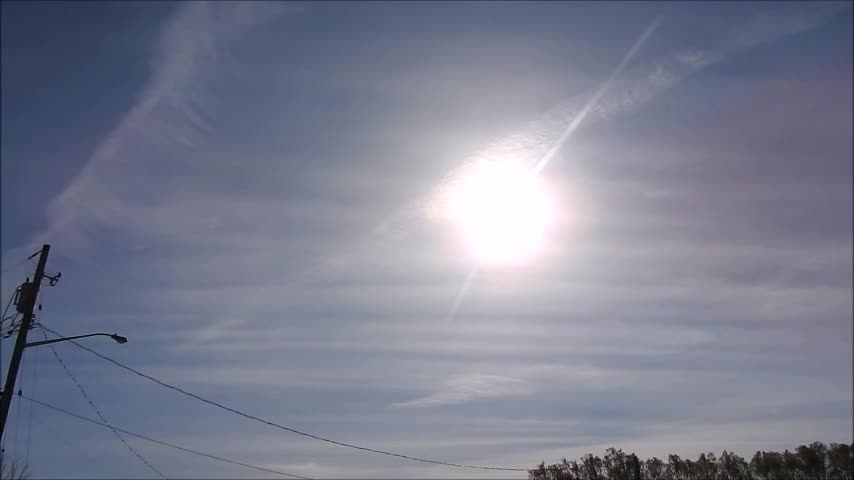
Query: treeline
[[816, 461]]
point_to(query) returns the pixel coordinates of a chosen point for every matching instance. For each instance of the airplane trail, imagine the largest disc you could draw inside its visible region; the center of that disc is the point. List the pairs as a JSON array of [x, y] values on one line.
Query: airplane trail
[[573, 125], [458, 299], [576, 121]]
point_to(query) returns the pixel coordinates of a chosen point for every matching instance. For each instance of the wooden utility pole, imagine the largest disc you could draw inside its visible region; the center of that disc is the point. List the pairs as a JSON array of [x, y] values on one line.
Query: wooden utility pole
[[26, 304]]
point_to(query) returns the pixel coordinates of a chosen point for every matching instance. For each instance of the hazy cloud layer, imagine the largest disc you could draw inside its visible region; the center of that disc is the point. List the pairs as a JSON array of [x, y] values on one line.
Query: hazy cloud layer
[[258, 223]]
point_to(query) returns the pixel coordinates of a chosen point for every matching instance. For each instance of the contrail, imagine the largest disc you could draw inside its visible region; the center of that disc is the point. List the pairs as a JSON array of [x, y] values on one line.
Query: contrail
[[596, 96], [576, 121], [458, 300]]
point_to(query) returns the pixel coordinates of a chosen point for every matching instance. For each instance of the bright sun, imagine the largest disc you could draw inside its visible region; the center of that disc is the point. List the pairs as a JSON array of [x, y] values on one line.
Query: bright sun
[[502, 211]]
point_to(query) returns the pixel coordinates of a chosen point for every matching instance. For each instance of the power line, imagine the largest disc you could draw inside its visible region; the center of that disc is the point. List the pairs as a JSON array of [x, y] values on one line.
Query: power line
[[2, 321], [15, 265], [19, 412], [160, 442], [33, 382], [6, 310], [101, 416], [84, 455], [282, 427]]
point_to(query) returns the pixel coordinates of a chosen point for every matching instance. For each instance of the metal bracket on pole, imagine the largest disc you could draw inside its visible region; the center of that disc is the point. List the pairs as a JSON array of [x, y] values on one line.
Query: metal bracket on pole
[[54, 279]]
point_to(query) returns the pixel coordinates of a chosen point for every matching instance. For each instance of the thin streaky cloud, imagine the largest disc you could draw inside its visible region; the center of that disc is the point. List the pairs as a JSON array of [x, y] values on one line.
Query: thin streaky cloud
[[229, 215], [190, 42], [468, 388], [539, 142]]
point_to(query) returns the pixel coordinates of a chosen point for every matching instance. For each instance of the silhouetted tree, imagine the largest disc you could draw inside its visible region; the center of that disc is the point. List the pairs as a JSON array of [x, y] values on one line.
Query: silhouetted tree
[[758, 466], [792, 466], [840, 462], [733, 467], [11, 469], [633, 465], [591, 468], [769, 465], [654, 469], [675, 467], [707, 466], [815, 461], [812, 459], [615, 465]]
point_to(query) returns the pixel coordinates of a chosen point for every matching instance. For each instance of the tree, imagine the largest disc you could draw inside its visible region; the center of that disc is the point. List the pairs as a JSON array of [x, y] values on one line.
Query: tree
[[840, 464], [615, 465], [707, 467], [633, 465], [592, 468], [654, 469], [768, 466], [793, 468], [815, 461], [733, 467], [759, 467], [812, 459], [12, 469], [675, 467]]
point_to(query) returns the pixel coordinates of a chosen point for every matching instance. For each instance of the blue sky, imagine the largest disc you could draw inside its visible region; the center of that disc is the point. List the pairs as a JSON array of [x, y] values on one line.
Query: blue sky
[[245, 191]]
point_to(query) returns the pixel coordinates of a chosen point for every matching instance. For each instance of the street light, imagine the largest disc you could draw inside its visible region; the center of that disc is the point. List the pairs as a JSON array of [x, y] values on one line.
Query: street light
[[27, 297], [118, 338]]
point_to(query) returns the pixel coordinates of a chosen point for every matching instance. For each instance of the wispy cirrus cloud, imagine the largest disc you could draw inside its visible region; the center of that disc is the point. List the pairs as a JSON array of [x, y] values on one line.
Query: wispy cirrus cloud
[[169, 122], [626, 91], [161, 129], [468, 388], [241, 261]]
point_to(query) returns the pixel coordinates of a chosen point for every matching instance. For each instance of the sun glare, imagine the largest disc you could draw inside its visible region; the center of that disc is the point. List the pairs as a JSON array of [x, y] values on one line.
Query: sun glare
[[502, 211]]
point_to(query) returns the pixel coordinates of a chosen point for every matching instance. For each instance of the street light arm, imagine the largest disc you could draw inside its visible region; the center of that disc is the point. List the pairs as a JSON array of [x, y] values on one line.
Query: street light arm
[[118, 338]]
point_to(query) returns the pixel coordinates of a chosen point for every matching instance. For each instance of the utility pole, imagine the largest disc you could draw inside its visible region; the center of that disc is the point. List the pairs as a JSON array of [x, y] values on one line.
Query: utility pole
[[26, 304]]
